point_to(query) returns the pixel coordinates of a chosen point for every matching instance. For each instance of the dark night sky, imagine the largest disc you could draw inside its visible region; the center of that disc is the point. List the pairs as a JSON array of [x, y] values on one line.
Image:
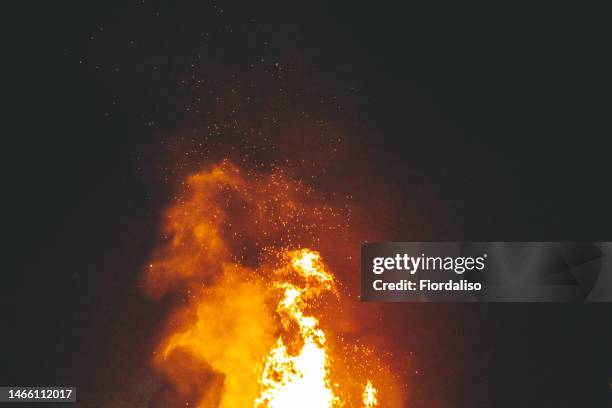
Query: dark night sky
[[495, 117]]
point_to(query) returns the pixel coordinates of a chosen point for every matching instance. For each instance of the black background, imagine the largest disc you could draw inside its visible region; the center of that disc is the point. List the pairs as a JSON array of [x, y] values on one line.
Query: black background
[[503, 110]]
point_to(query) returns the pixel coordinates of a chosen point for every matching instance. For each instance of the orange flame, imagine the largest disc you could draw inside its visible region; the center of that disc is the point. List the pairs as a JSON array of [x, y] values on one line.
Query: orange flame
[[300, 380], [245, 333]]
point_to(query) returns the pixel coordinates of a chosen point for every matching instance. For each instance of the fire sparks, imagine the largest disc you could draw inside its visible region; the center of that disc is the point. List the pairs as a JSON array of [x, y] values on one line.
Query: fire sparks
[[251, 330]]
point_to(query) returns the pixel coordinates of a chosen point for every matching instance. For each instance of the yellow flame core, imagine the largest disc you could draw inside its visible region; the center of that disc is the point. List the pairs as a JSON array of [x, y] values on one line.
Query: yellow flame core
[[302, 379], [369, 396]]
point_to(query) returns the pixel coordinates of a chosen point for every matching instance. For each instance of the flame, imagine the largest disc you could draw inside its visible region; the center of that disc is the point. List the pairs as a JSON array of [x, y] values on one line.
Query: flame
[[300, 380], [369, 396], [250, 328]]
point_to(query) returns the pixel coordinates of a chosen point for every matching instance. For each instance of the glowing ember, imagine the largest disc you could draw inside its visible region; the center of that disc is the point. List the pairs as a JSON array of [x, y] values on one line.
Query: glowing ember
[[369, 396]]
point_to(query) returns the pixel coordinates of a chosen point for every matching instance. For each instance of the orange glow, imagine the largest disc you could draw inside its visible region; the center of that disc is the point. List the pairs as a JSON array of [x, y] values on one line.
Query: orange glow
[[254, 317]]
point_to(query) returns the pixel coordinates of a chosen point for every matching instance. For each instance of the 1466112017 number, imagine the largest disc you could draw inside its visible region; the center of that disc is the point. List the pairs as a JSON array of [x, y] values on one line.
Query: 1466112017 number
[[30, 393], [35, 394]]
